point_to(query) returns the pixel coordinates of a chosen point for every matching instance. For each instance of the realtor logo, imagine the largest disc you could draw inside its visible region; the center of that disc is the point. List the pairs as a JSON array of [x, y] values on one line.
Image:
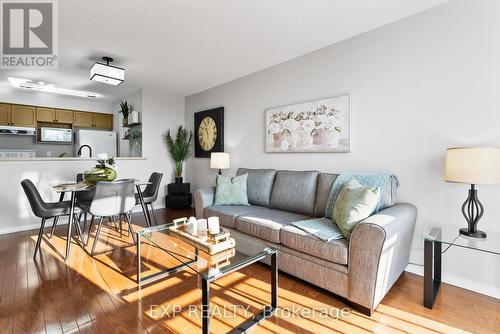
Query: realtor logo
[[29, 34]]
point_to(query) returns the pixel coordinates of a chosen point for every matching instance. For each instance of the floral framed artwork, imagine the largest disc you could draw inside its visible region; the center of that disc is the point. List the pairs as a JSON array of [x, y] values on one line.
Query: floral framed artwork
[[322, 125]]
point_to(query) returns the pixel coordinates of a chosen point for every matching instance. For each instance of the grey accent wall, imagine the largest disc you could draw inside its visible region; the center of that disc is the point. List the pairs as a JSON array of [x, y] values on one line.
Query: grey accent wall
[[417, 86]]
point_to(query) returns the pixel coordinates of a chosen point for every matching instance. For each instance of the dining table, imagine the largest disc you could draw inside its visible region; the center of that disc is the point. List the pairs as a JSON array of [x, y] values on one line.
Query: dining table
[[75, 187]]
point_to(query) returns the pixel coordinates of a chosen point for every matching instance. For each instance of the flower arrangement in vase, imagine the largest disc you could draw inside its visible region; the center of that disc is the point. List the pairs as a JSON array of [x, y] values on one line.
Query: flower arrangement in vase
[[103, 171]]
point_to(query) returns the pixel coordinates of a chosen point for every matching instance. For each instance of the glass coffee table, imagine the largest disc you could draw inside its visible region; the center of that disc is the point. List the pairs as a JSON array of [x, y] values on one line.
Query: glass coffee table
[[181, 255], [433, 242]]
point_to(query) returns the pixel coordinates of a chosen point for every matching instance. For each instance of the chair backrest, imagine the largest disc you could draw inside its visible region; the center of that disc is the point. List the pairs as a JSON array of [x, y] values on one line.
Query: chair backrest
[[113, 198], [36, 202], [151, 190], [83, 196]]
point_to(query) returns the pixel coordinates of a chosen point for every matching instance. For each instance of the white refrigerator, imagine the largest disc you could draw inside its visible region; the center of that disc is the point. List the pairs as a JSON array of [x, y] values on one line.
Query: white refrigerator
[[98, 140]]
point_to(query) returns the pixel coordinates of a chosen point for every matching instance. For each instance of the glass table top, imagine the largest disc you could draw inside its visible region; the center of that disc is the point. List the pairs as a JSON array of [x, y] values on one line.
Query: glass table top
[[451, 236], [206, 265], [72, 186]]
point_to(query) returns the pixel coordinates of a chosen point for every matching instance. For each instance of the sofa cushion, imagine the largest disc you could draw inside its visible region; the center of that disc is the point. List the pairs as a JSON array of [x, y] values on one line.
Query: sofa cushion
[[259, 185], [226, 213], [335, 251], [354, 204], [325, 181], [231, 191], [295, 191], [266, 223]]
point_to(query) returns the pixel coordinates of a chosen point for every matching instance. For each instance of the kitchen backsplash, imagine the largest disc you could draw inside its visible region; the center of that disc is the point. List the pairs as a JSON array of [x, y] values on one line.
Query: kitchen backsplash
[[28, 143]]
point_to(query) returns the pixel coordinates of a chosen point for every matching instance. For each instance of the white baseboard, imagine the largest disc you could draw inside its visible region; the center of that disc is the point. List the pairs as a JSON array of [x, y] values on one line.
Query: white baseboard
[[62, 221], [460, 282]]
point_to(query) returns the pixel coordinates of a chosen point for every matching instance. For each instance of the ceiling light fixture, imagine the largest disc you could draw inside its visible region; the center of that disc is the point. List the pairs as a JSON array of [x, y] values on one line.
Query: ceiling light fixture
[[29, 84], [106, 73]]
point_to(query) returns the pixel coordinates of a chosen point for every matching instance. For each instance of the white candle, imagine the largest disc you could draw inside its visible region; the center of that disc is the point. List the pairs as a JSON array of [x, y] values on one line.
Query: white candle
[[192, 226], [213, 225], [202, 229]]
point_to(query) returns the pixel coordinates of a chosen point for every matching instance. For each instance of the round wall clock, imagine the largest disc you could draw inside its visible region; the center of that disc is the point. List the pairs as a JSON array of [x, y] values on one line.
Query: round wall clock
[[209, 132]]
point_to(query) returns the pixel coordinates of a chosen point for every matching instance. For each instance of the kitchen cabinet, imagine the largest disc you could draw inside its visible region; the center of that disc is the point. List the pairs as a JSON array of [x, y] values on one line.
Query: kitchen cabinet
[[100, 121], [103, 121], [28, 116], [83, 119], [64, 116], [50, 115], [5, 113], [45, 115], [22, 115]]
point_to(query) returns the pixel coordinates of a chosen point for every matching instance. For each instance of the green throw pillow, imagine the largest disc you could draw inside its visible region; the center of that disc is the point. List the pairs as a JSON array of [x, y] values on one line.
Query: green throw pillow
[[354, 204], [231, 191]]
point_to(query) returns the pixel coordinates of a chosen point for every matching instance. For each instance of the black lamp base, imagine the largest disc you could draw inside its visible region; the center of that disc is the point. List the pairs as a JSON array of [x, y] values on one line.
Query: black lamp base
[[473, 234], [473, 210]]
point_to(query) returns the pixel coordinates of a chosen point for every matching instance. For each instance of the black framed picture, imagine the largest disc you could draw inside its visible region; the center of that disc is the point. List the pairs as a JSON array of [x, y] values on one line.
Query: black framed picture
[[208, 132]]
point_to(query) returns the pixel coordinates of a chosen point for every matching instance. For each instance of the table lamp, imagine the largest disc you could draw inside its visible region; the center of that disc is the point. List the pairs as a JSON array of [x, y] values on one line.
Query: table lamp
[[220, 161], [474, 165]]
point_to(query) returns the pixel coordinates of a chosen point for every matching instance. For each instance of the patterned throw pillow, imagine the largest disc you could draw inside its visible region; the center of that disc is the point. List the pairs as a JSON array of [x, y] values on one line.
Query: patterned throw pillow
[[231, 191], [354, 204]]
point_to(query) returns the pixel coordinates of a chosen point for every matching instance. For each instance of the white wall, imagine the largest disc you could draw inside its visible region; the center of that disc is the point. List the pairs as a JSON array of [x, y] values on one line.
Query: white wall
[[160, 111], [417, 86]]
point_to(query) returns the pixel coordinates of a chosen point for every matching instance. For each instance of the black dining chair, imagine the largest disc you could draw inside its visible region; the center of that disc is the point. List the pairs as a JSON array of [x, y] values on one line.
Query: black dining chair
[[150, 194], [45, 210], [112, 199]]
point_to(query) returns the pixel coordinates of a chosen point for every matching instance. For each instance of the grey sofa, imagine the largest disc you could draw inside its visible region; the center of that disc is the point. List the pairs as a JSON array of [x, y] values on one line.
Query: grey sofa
[[362, 270]]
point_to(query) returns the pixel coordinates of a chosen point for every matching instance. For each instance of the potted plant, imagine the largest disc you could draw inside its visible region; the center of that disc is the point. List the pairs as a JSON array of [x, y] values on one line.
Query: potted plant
[[179, 148], [125, 109]]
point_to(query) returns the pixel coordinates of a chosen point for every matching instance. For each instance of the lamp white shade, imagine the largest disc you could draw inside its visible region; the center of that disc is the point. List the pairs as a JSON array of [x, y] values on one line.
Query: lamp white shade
[[219, 160], [473, 165]]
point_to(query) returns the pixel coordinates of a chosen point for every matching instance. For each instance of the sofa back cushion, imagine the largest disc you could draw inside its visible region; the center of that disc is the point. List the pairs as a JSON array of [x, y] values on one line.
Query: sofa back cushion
[[325, 181], [295, 191], [259, 185]]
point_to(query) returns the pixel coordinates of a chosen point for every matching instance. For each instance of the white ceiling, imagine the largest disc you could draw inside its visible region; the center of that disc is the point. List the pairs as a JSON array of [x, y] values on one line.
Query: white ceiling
[[186, 46]]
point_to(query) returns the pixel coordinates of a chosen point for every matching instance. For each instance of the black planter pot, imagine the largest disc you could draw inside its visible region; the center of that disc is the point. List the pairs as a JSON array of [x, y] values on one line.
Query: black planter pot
[[178, 180]]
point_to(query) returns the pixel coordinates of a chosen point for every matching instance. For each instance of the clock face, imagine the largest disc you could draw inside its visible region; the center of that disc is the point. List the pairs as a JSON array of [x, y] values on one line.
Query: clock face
[[207, 133]]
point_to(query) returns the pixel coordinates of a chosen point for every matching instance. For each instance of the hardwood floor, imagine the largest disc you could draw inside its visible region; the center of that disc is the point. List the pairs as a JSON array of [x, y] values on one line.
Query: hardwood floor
[[99, 295]]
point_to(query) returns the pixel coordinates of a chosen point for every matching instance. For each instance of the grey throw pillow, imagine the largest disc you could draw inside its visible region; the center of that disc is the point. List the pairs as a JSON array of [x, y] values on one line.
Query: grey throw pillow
[[231, 191]]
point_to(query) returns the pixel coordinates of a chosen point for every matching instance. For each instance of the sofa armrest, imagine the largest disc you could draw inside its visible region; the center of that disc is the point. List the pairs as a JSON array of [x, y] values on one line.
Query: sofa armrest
[[379, 251], [202, 198]]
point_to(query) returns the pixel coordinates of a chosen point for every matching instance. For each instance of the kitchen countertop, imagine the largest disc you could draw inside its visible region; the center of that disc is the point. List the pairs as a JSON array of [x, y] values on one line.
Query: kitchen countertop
[[70, 159]]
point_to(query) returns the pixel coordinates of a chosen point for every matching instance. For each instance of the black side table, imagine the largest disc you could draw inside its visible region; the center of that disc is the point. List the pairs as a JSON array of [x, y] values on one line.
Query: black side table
[[178, 196], [433, 242]]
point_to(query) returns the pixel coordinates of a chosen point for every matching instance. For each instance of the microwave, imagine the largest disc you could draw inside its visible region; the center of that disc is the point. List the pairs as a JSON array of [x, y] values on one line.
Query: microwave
[[56, 135]]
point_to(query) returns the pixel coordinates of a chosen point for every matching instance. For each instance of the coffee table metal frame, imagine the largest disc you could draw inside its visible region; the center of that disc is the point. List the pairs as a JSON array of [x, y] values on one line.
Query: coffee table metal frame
[[266, 312]]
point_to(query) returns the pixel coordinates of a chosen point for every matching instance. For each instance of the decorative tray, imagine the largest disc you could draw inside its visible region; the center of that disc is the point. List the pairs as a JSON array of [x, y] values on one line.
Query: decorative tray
[[213, 245]]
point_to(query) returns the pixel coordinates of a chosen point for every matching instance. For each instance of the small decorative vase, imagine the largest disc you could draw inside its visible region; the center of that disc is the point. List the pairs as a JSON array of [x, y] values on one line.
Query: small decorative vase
[[135, 147], [318, 137], [99, 173], [277, 137], [178, 180], [333, 138], [133, 117], [125, 121]]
